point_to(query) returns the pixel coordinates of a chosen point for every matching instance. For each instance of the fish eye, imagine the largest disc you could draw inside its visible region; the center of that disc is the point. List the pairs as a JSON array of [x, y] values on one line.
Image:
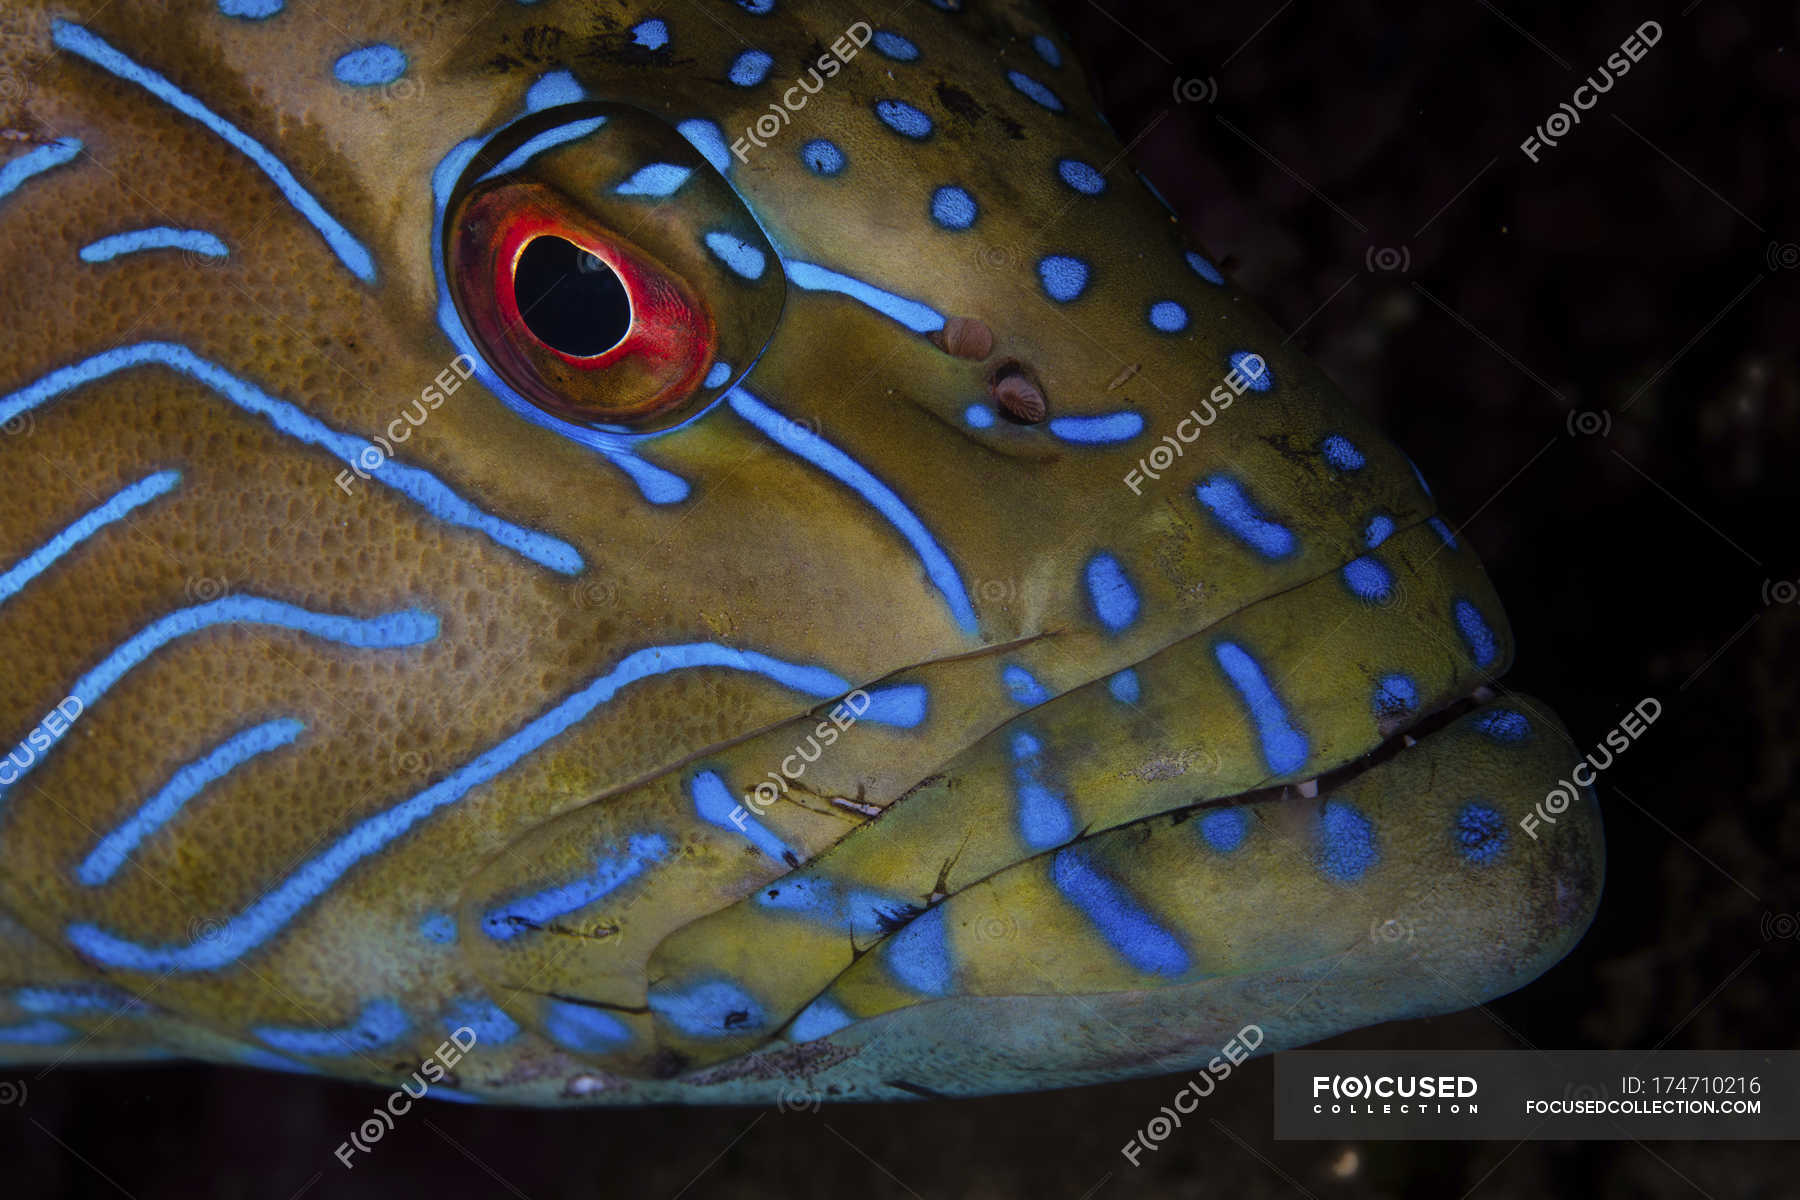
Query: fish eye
[[607, 275]]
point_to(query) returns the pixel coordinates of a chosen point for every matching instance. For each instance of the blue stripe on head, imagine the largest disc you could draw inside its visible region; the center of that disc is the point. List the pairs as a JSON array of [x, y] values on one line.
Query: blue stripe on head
[[903, 119], [1284, 747], [1483, 646], [746, 260], [1037, 92], [892, 45], [1346, 842], [1081, 176], [1341, 453], [370, 66], [583, 1029], [552, 89], [1226, 500], [1115, 601], [918, 956], [1099, 429], [655, 179], [1205, 269], [1125, 924]]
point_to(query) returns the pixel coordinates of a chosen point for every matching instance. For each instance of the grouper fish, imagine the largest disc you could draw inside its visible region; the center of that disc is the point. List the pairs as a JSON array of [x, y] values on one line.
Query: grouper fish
[[692, 551]]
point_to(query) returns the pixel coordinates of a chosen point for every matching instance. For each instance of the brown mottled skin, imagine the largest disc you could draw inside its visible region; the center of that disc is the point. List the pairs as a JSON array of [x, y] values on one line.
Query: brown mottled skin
[[767, 553]]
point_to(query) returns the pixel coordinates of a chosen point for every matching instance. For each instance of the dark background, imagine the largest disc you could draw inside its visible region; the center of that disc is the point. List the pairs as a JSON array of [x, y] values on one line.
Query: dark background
[[1358, 169]]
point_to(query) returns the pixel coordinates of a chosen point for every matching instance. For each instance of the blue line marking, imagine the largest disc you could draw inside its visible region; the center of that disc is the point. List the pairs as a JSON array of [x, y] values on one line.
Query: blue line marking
[[717, 806], [919, 318], [41, 1032], [548, 140], [657, 179], [892, 45], [1443, 532], [490, 1023], [528, 914], [1044, 817], [1484, 647], [390, 631], [381, 1023], [1035, 90], [553, 89], [1023, 686], [715, 1008], [706, 137], [1283, 746], [76, 40], [373, 65], [270, 913], [1115, 600], [419, 486], [1205, 270], [750, 68], [196, 241], [251, 10], [1080, 176], [804, 443], [1104, 429], [76, 998], [86, 526], [743, 258], [1047, 50], [651, 35], [36, 162], [919, 955], [1224, 497], [822, 1018], [104, 861], [1125, 924], [1125, 687], [903, 705], [583, 1029]]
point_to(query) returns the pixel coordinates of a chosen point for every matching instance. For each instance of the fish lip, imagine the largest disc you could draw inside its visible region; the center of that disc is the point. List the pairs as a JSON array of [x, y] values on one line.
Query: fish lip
[[1424, 726]]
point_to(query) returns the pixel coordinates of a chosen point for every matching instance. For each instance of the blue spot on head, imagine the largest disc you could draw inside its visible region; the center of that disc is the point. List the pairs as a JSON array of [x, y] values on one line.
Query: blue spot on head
[[655, 179], [1035, 90], [1115, 600], [1341, 453], [719, 375], [822, 157], [892, 45], [903, 118], [1504, 725], [953, 208], [919, 955], [438, 928], [1226, 500], [1381, 528], [1346, 842], [1081, 177], [370, 66], [1481, 833], [1023, 685], [705, 137], [651, 35], [1224, 829], [551, 89], [979, 415], [750, 68], [1483, 646], [1395, 696], [1253, 368], [743, 258], [1047, 50], [1205, 270], [1064, 278], [582, 1029], [1169, 316], [1368, 580], [713, 1009], [1125, 686], [251, 10], [1284, 747]]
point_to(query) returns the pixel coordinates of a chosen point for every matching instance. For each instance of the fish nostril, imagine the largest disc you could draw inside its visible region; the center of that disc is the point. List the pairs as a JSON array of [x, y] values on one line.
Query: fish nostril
[[965, 337], [1015, 388]]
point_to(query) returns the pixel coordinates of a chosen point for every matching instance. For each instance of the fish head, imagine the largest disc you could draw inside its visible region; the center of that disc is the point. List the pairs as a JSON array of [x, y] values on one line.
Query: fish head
[[743, 541]]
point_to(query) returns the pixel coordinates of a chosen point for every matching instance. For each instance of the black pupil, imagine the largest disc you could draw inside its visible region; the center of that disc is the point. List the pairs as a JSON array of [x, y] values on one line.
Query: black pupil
[[570, 300]]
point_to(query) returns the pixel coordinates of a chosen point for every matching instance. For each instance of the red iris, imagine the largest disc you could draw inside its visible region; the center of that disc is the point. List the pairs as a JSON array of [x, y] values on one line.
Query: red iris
[[582, 323]]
